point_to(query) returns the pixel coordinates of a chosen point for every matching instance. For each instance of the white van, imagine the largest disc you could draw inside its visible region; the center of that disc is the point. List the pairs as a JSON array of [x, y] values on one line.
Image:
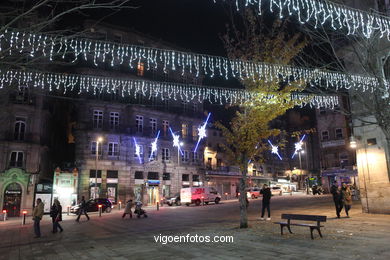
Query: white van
[[198, 194]]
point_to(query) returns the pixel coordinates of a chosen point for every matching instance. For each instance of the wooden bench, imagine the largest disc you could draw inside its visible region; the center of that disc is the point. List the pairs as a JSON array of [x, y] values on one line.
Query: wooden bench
[[290, 217]]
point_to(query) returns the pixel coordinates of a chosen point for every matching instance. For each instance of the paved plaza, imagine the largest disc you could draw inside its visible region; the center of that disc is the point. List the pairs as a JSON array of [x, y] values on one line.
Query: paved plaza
[[363, 236]]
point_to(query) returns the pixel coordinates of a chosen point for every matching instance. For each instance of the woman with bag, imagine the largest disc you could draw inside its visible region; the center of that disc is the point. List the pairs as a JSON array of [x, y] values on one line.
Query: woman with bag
[[56, 216], [347, 198]]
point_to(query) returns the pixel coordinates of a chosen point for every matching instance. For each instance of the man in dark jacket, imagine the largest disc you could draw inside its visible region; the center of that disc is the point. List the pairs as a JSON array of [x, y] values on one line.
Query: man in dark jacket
[[83, 209], [266, 192], [337, 198]]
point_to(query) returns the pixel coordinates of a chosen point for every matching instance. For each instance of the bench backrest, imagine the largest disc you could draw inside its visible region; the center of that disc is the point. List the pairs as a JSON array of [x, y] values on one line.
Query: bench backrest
[[304, 217]]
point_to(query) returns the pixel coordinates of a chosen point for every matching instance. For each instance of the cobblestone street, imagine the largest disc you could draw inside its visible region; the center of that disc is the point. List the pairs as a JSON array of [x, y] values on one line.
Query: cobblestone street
[[363, 236]]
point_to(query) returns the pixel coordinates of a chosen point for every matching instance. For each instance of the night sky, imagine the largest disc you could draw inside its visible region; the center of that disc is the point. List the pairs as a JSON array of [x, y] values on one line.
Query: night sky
[[193, 25]]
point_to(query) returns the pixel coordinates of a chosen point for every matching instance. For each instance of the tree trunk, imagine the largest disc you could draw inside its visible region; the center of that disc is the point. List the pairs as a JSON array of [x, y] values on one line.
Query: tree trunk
[[243, 198]]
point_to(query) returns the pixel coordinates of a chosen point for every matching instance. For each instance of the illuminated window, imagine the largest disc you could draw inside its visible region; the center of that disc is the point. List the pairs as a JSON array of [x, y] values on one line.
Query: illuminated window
[[194, 133], [140, 69], [184, 130]]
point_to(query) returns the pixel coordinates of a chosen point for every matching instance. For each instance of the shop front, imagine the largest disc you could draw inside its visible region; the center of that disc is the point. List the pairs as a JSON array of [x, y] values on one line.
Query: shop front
[[65, 186], [16, 192], [347, 175]]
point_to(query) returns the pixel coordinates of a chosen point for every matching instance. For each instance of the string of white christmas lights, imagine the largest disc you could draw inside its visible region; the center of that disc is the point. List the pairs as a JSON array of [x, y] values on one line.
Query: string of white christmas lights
[[126, 87], [338, 16], [53, 47]]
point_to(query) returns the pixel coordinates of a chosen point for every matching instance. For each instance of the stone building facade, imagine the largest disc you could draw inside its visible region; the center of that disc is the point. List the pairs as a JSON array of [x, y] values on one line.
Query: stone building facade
[[24, 150]]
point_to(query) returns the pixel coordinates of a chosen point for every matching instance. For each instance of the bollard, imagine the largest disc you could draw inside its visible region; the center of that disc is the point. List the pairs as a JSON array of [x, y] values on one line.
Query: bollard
[[24, 217], [5, 214], [100, 210], [120, 205], [68, 210], [226, 195], [158, 205]]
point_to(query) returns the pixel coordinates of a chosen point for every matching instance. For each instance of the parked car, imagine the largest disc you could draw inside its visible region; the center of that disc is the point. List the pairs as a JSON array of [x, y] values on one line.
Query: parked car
[[174, 200], [276, 190], [93, 206], [253, 192], [197, 195]]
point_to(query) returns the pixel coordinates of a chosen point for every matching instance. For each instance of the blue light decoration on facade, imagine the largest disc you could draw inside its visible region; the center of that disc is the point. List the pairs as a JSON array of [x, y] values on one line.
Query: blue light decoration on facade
[[137, 150], [154, 146], [176, 141], [202, 132], [275, 149], [298, 146]]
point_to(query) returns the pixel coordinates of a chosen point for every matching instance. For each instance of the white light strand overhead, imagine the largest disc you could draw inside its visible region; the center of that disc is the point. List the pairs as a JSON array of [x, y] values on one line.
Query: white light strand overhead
[[86, 84], [100, 52], [319, 12]]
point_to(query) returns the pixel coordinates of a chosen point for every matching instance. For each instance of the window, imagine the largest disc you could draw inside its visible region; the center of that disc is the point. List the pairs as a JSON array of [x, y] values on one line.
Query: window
[[195, 178], [139, 122], [184, 105], [165, 124], [195, 157], [152, 157], [114, 120], [113, 149], [93, 148], [141, 150], [185, 177], [139, 175], [153, 175], [166, 102], [97, 119], [194, 133], [195, 107], [153, 125], [20, 128], [95, 174], [112, 174], [322, 111], [325, 135], [339, 133], [140, 69], [165, 154], [184, 130], [16, 159], [166, 176], [185, 157]]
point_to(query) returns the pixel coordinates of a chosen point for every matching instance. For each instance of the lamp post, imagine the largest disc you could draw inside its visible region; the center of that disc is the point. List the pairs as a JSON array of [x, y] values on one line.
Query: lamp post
[[99, 140]]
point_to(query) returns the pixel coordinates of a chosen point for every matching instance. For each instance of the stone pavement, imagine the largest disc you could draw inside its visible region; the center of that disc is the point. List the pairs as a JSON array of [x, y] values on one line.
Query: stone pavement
[[363, 236]]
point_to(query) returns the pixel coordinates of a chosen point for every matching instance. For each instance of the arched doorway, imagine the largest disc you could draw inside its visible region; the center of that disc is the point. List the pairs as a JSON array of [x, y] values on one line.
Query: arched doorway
[[12, 199]]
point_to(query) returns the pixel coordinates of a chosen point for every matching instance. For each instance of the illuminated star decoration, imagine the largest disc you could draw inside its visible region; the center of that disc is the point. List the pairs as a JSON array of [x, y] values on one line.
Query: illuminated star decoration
[[275, 149], [298, 146], [202, 132], [176, 141], [137, 150], [154, 146]]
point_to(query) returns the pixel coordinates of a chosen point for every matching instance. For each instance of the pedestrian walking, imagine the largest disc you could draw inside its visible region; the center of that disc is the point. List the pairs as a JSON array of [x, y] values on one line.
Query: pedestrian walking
[[82, 209], [266, 192], [347, 198], [37, 216], [56, 216], [129, 206], [337, 194]]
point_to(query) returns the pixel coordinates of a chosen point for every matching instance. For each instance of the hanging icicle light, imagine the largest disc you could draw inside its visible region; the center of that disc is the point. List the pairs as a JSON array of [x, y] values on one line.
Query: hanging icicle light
[[339, 17], [85, 84], [60, 47]]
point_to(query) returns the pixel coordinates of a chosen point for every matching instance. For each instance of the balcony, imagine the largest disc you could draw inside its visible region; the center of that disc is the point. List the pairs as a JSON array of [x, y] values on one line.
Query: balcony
[[224, 171]]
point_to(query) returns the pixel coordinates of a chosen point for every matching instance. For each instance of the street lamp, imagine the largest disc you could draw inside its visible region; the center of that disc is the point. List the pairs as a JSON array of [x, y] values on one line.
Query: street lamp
[[98, 140]]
